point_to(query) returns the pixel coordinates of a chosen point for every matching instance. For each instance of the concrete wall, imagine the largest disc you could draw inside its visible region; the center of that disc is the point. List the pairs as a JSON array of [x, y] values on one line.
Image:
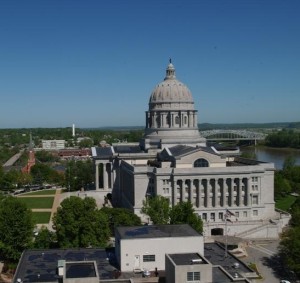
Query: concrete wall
[[129, 248]]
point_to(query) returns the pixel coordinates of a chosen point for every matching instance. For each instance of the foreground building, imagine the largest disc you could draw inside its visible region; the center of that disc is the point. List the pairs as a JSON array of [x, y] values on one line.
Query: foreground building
[[163, 253], [174, 161]]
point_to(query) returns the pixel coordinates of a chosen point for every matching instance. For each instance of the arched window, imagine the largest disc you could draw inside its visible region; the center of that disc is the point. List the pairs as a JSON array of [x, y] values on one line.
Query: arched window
[[177, 120], [201, 162]]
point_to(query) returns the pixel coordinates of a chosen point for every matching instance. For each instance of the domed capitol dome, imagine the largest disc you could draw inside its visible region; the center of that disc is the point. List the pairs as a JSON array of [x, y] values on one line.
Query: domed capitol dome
[[171, 118], [171, 90]]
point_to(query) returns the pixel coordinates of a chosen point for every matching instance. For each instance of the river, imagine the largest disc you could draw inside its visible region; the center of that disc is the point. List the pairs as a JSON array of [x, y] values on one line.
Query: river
[[274, 155]]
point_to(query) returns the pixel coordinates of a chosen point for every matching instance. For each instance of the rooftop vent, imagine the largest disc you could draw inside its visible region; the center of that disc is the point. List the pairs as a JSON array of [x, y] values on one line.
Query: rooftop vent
[[196, 260]]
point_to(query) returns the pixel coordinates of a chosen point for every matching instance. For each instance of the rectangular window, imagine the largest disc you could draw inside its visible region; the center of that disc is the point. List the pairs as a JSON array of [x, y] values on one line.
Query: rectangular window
[[220, 215], [237, 214], [148, 258], [255, 212], [245, 214], [255, 200], [212, 216], [193, 276], [204, 216]]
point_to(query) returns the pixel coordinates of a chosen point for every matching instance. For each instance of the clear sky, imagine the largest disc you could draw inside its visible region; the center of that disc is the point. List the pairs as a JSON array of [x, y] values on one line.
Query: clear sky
[[95, 63]]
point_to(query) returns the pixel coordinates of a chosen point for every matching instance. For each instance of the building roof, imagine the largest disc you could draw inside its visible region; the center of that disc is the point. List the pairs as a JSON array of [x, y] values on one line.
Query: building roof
[[157, 231], [102, 152], [41, 265], [127, 149], [181, 150], [232, 265], [187, 259]]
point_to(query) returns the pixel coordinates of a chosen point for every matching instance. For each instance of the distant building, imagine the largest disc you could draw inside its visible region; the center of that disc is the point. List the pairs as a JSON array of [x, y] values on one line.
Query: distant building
[[174, 161], [53, 144], [75, 153]]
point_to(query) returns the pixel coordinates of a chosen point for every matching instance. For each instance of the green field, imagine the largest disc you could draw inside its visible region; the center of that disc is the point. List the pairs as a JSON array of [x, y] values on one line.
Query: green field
[[36, 202], [285, 203], [41, 193], [41, 217]]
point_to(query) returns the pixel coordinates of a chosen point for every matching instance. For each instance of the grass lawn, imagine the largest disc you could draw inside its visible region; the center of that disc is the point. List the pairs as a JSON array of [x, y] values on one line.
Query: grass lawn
[[285, 203], [44, 192], [36, 202], [41, 217]]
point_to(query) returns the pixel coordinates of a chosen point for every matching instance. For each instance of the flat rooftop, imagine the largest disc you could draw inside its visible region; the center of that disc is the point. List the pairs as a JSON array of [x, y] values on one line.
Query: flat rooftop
[[41, 265], [157, 231], [187, 259], [215, 253]]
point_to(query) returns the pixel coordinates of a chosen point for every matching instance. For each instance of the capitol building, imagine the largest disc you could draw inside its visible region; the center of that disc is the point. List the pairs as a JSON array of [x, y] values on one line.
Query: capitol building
[[174, 161]]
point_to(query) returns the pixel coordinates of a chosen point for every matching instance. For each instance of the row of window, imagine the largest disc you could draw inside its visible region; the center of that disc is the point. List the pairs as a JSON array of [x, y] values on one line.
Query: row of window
[[221, 215]]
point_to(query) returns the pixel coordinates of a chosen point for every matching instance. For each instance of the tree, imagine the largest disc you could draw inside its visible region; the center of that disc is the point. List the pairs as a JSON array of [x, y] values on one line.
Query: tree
[[281, 185], [16, 228], [45, 239], [158, 209], [78, 223], [290, 249], [184, 212], [120, 217]]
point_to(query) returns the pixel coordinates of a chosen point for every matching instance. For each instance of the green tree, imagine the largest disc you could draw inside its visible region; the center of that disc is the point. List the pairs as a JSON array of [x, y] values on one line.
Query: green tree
[[184, 213], [281, 185], [290, 249], [16, 228], [45, 239], [120, 217], [158, 209], [86, 143], [78, 223]]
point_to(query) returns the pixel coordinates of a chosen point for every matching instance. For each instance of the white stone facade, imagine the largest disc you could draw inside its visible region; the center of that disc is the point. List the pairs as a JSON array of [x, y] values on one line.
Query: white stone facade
[[172, 160]]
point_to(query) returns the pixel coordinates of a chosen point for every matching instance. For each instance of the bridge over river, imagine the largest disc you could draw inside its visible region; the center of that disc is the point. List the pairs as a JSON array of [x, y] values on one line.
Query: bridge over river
[[232, 135]]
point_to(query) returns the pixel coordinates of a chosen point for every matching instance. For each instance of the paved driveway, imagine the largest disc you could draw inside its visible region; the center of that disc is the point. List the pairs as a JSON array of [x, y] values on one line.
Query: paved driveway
[[264, 255]]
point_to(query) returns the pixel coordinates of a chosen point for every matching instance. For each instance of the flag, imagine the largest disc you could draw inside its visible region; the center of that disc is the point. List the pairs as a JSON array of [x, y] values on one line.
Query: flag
[[228, 213]]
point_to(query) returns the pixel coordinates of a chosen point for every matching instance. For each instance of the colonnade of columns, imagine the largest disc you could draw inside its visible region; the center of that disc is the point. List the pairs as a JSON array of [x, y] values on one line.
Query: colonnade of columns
[[104, 175], [221, 192], [165, 119]]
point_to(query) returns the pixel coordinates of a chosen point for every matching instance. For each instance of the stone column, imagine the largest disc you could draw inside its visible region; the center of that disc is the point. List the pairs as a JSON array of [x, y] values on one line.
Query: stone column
[[190, 120], [224, 193], [231, 196], [240, 191], [195, 120], [97, 176], [208, 195], [214, 191], [105, 181], [248, 201]]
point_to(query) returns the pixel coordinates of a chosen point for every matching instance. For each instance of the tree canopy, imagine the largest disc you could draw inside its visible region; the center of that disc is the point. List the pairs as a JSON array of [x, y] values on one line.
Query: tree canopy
[[182, 213], [160, 212], [120, 217], [158, 209], [78, 223], [16, 228]]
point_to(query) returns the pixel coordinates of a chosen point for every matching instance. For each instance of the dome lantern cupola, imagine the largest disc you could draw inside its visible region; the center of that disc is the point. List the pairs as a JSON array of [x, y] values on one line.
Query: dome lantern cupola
[[171, 118], [170, 71]]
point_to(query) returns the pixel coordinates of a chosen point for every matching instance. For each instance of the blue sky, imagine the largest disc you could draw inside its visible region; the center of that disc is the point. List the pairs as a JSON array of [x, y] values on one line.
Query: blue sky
[[95, 63]]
